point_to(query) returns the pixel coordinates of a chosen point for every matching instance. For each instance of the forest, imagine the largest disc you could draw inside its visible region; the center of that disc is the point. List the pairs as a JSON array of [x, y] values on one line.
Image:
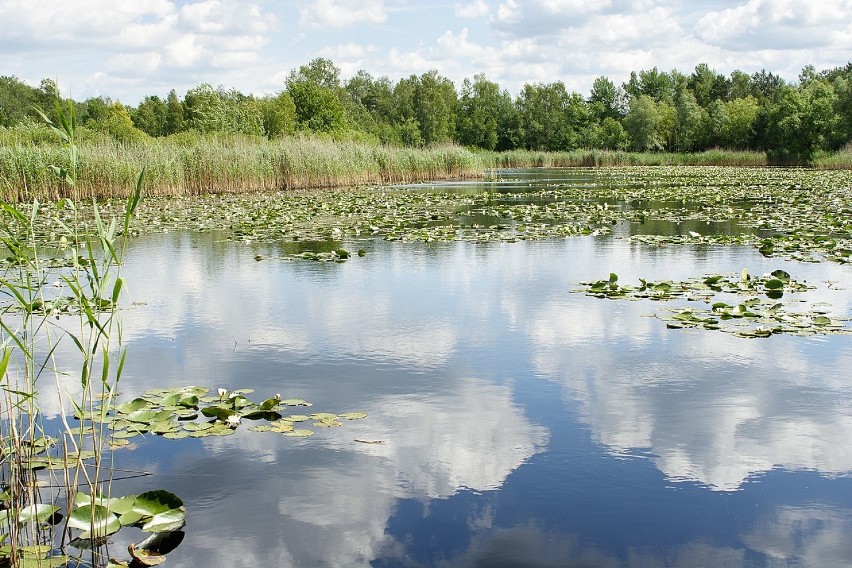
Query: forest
[[653, 111]]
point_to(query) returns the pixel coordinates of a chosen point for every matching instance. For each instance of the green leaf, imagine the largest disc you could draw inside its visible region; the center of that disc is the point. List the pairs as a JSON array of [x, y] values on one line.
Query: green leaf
[[95, 520], [156, 502], [38, 512], [166, 521]]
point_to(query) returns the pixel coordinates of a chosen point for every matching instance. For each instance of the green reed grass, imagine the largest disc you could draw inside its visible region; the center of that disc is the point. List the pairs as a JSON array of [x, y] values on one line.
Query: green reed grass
[[188, 164], [87, 273], [192, 164], [604, 158]]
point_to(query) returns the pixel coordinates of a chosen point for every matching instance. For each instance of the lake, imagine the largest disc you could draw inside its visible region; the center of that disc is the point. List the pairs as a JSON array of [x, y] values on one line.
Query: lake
[[513, 420]]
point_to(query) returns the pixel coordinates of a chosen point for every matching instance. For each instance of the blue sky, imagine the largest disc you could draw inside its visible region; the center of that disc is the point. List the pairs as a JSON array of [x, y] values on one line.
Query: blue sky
[[127, 49]]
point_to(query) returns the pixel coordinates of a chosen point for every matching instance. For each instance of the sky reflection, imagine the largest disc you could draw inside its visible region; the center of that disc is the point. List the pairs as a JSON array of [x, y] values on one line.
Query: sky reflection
[[522, 423]]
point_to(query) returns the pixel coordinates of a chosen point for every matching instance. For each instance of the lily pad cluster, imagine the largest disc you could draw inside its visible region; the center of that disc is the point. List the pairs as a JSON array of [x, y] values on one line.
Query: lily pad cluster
[[799, 214], [773, 285], [755, 313], [196, 412], [92, 519]]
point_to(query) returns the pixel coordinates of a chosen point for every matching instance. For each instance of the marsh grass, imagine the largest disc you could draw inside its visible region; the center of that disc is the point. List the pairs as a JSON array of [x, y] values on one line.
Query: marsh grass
[[608, 158], [841, 160], [188, 164], [191, 164]]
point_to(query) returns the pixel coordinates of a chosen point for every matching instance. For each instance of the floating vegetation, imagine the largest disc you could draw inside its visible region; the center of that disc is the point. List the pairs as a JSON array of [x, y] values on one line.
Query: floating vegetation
[[193, 412], [796, 214], [755, 313]]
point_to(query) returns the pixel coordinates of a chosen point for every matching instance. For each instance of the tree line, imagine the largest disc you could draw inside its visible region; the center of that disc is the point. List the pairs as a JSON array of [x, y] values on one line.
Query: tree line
[[652, 111]]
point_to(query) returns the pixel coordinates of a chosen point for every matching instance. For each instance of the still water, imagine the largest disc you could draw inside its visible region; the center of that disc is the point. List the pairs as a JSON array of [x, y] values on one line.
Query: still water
[[521, 423]]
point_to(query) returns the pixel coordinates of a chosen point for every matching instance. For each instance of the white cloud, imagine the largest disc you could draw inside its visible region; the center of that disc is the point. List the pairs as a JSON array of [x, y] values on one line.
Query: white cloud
[[348, 52], [342, 13], [775, 24], [476, 9]]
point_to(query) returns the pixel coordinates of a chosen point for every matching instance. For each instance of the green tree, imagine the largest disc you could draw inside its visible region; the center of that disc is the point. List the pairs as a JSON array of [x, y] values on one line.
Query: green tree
[[691, 129], [741, 86], [318, 96], [649, 123], [175, 111], [427, 102], [606, 100], [658, 85], [707, 85], [218, 110], [608, 134], [279, 115], [767, 85], [551, 118], [435, 103], [841, 83], [737, 131], [17, 100], [479, 113], [150, 116], [800, 123], [115, 120]]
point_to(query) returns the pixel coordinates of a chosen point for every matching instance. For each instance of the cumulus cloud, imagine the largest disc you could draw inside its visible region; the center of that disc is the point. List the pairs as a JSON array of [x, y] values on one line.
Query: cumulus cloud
[[342, 13], [117, 44], [775, 24], [544, 17], [476, 9]]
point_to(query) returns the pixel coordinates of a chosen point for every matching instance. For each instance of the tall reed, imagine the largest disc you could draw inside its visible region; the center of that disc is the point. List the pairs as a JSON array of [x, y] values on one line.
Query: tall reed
[[36, 317], [188, 164], [191, 164]]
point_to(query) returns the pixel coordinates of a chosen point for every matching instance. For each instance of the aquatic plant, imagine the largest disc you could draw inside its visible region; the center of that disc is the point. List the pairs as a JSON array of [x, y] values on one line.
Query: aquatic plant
[[36, 525], [750, 315]]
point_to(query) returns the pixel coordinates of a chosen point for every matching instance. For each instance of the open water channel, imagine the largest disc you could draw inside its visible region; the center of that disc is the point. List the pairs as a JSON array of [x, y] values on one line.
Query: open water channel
[[514, 420]]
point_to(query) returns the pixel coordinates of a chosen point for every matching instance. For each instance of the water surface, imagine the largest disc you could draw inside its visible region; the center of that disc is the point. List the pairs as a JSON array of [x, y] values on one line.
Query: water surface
[[521, 423]]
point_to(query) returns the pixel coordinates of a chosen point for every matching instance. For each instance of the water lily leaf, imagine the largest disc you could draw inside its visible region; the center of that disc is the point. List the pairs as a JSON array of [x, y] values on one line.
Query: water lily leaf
[[261, 414], [196, 427], [82, 455], [353, 415], [131, 518], [132, 406], [157, 501], [94, 520], [42, 562], [299, 433], [297, 418], [191, 401], [821, 320], [38, 512], [178, 435], [219, 412], [166, 521], [141, 416], [163, 427], [122, 505], [774, 284], [295, 402], [323, 416]]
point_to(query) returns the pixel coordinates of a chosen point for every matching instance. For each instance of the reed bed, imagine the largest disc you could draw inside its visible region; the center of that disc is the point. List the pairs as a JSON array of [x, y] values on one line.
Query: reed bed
[[841, 160], [191, 164], [603, 158]]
